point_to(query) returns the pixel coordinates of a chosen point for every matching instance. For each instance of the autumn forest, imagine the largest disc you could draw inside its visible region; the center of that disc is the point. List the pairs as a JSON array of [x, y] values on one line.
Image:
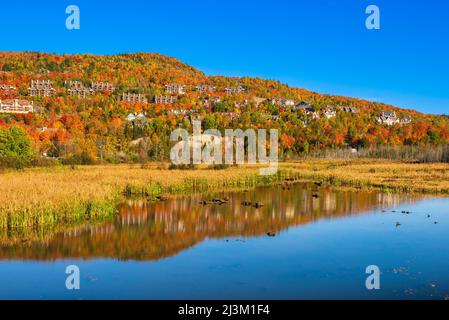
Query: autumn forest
[[87, 109]]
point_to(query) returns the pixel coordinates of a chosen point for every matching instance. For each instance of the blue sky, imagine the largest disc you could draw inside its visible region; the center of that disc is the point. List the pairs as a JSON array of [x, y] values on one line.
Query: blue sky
[[321, 45]]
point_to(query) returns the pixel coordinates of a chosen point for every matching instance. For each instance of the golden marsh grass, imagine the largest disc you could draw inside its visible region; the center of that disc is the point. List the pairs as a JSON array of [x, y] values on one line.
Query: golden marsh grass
[[39, 200]]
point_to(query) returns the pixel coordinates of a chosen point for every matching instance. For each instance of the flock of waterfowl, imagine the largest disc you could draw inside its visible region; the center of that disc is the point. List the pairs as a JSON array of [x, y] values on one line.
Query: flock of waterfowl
[[398, 224]]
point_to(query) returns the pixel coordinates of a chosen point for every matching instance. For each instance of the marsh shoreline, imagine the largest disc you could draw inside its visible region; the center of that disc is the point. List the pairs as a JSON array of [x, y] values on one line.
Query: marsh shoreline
[[38, 202]]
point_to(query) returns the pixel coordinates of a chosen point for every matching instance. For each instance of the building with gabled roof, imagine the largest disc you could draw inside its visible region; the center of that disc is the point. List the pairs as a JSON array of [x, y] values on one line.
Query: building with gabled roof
[[349, 109], [133, 98], [17, 106], [329, 112], [41, 88], [234, 90], [102, 86], [388, 117], [7, 87], [78, 89], [203, 88], [137, 119], [406, 120], [165, 99], [179, 111], [283, 102], [307, 108], [175, 88]]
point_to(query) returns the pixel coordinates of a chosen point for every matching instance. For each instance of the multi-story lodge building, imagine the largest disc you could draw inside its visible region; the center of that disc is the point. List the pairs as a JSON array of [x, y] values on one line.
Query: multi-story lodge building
[[165, 99], [178, 112], [41, 88], [203, 88], [175, 88], [80, 93], [283, 102], [406, 120], [389, 118], [133, 97], [102, 86], [301, 105], [307, 108], [234, 90], [77, 88], [74, 84], [6, 87], [329, 112], [310, 112], [17, 106], [137, 119], [349, 109]]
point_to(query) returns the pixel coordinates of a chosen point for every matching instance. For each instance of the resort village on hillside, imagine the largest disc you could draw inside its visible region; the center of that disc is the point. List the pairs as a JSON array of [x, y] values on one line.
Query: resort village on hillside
[[172, 92]]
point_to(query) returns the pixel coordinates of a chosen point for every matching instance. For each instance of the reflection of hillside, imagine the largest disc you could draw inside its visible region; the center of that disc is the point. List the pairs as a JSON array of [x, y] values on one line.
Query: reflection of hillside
[[150, 231]]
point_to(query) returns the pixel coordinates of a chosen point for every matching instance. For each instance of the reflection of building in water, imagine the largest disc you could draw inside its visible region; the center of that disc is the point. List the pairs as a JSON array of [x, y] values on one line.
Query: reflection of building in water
[[175, 215], [96, 230], [388, 200], [330, 202], [134, 213], [295, 208], [153, 230], [316, 204]]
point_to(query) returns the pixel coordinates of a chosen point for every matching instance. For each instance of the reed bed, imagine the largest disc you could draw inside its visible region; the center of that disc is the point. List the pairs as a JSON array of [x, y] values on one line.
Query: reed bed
[[387, 175], [38, 201]]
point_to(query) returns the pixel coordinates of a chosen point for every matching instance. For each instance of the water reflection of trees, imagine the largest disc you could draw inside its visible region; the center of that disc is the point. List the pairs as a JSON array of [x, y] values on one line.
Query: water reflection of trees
[[151, 231]]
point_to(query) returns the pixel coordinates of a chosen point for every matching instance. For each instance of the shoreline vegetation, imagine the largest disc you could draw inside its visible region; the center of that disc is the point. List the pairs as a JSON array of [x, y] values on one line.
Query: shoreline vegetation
[[37, 202]]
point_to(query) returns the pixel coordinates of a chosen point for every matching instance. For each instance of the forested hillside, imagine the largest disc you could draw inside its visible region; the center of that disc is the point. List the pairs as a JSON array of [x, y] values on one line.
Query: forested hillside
[[122, 108]]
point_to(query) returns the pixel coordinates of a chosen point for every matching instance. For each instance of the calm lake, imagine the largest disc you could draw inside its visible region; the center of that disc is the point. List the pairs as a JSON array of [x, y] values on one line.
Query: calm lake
[[318, 246]]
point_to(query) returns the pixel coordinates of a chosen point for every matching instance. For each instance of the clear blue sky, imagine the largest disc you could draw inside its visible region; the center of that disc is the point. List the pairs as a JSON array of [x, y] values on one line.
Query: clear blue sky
[[321, 45]]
